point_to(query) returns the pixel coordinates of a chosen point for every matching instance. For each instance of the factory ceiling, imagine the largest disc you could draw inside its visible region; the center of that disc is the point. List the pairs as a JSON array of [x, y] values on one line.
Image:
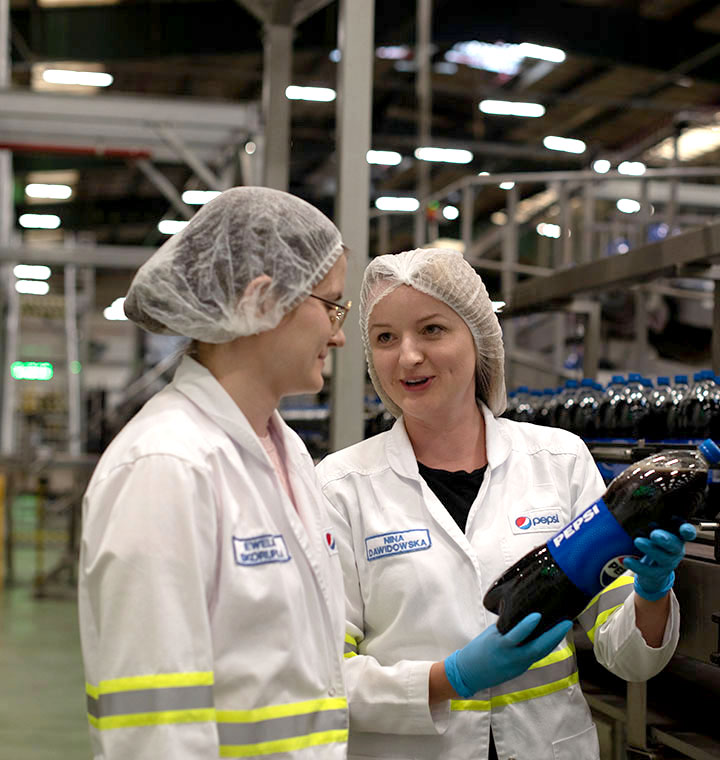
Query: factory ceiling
[[634, 73]]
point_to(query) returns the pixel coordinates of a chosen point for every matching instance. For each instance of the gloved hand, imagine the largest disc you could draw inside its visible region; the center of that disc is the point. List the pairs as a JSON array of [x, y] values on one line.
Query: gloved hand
[[662, 553], [492, 658]]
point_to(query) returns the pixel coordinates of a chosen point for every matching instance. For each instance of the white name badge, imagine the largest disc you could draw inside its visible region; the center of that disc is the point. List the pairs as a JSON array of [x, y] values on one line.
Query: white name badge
[[260, 550], [397, 542]]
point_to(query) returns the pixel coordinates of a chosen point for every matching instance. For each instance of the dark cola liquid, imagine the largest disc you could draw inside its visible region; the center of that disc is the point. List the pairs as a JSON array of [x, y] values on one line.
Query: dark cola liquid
[[660, 491]]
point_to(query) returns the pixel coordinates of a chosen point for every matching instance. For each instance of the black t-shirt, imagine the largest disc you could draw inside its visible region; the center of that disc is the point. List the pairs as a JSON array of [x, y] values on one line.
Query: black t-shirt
[[456, 492]]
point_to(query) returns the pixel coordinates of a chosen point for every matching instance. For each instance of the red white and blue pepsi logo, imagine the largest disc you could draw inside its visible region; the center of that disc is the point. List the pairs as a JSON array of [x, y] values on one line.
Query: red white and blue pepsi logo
[[523, 522], [330, 541]]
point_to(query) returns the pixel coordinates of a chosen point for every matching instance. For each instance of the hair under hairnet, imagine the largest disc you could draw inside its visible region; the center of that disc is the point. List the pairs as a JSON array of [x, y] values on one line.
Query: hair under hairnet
[[445, 275], [195, 284]]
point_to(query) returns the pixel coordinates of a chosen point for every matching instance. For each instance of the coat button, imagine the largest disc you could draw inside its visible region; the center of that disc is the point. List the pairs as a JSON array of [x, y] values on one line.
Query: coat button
[[331, 692]]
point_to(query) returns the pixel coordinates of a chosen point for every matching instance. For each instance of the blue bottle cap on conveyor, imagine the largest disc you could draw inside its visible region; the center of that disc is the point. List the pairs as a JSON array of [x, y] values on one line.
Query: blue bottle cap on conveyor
[[663, 380], [710, 450], [617, 379], [681, 378]]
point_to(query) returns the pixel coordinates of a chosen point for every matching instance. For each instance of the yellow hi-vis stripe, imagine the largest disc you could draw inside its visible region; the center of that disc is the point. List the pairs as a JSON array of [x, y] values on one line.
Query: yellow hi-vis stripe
[[623, 580], [284, 745], [161, 681], [281, 711], [457, 705], [561, 654], [153, 719]]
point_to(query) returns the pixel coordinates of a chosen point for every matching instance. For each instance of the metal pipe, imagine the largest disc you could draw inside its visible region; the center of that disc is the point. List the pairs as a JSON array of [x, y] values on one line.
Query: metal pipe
[[423, 90]]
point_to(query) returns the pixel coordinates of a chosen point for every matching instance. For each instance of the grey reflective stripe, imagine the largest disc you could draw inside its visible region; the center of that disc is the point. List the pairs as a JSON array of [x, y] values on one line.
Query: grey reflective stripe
[[235, 734], [151, 700], [350, 648], [537, 677], [605, 601]]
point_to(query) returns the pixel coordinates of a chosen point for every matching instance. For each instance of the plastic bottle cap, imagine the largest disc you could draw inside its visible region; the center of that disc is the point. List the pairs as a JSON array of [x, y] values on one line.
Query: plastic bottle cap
[[571, 383], [681, 378], [617, 379], [523, 389], [710, 450], [663, 380], [634, 377]]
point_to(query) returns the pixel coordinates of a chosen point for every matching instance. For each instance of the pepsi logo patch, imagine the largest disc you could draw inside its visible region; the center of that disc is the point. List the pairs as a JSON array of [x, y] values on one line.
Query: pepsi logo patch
[[613, 569], [329, 541], [536, 521]]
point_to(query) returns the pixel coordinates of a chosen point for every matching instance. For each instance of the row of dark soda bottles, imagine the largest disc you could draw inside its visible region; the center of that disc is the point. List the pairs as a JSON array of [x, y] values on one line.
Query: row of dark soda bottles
[[627, 407]]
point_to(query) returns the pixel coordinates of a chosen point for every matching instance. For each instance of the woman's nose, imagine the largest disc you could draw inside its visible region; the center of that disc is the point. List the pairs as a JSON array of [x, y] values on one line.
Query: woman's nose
[[410, 353], [337, 340]]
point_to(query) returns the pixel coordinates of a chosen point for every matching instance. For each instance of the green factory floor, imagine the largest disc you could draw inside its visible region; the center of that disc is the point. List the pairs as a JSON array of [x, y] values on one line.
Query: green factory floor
[[42, 693]]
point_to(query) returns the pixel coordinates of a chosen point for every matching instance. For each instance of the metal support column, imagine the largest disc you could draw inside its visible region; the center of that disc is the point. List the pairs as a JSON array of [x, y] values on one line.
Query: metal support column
[[466, 217], [508, 276], [588, 222], [356, 24], [716, 329], [72, 353], [566, 253], [277, 73], [423, 90], [636, 725]]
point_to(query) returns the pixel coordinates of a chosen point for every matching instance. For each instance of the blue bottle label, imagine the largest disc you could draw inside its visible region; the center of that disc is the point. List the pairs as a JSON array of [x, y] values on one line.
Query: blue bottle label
[[589, 550]]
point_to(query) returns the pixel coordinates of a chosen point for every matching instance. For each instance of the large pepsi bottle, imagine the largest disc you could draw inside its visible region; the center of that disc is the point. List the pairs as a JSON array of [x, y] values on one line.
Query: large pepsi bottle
[[559, 578]]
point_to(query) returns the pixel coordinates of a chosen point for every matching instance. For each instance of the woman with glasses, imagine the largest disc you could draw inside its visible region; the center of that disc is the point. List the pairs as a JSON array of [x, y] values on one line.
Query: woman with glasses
[[431, 512], [210, 597]]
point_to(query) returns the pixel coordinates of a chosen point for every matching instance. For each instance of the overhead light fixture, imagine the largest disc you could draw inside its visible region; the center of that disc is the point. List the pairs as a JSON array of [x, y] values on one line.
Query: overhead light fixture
[[444, 155], [393, 52], [506, 185], [633, 168], [318, 94], [171, 226], [39, 221], [451, 213], [691, 144], [250, 147], [497, 305], [82, 78], [601, 166], [511, 108], [31, 272], [32, 287], [565, 144], [115, 312], [31, 370], [542, 52], [199, 197], [628, 206], [383, 157], [53, 192], [393, 203], [498, 218], [335, 55], [548, 230]]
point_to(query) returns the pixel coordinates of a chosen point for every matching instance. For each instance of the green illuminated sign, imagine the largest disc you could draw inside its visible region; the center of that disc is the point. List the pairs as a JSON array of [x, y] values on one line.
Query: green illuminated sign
[[31, 370]]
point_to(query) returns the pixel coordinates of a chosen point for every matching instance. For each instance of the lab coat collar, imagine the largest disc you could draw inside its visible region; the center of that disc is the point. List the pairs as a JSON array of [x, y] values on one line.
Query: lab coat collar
[[401, 456], [196, 382]]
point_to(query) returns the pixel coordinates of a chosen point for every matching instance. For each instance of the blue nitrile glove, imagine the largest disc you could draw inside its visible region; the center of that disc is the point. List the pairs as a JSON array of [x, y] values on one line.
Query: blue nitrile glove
[[662, 553], [491, 658]]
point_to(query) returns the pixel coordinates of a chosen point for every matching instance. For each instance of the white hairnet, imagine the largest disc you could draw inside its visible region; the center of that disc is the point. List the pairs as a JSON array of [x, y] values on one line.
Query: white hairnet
[[446, 276], [194, 285]]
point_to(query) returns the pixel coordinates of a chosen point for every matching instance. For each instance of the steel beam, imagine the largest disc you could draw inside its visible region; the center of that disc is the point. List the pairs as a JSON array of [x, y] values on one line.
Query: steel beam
[[103, 256], [163, 184]]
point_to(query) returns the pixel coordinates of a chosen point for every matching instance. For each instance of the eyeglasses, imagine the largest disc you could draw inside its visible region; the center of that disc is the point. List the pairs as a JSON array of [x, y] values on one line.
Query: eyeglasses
[[337, 316]]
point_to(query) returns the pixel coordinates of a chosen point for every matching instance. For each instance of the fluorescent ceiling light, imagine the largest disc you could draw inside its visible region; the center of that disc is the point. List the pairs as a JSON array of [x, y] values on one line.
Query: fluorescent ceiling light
[[445, 67], [548, 230], [506, 185], [511, 108], [691, 144], [383, 157], [393, 52], [171, 226], [55, 192], [31, 370], [84, 78], [115, 312], [628, 206], [565, 144], [31, 272], [335, 55], [601, 166], [542, 52], [497, 305], [319, 94], [451, 212], [633, 168], [199, 197], [446, 155], [39, 221], [392, 203], [32, 287], [499, 218], [483, 174]]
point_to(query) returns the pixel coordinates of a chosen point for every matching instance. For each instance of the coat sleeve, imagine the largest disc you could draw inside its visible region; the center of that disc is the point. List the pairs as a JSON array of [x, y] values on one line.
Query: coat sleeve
[[609, 619], [147, 573], [388, 699]]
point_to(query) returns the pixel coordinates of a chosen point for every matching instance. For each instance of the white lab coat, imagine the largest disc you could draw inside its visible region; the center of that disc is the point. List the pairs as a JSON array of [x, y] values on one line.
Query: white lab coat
[[414, 586], [210, 609]]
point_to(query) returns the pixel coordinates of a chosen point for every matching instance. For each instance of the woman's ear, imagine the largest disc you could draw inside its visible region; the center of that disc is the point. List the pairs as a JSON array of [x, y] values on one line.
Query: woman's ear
[[254, 292]]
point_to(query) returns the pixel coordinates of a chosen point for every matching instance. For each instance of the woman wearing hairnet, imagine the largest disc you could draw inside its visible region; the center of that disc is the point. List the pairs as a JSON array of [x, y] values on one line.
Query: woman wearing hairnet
[[210, 586], [428, 515]]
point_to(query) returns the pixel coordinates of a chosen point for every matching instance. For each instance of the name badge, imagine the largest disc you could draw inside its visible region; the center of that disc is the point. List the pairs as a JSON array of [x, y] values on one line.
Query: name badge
[[260, 550], [398, 542], [541, 521]]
